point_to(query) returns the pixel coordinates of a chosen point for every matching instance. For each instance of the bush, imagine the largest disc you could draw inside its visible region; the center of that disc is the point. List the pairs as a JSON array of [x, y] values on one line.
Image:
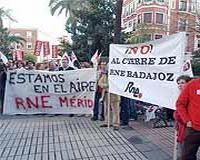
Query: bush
[[30, 57]]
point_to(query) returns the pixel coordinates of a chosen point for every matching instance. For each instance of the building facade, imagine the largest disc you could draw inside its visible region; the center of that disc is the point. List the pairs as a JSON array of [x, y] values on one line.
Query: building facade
[[30, 35], [162, 17]]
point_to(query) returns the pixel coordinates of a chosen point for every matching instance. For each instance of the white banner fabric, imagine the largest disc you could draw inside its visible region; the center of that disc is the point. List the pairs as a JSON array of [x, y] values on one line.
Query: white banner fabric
[[44, 92], [148, 71]]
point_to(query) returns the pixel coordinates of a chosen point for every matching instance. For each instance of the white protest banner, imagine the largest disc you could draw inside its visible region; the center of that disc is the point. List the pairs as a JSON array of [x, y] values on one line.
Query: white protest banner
[[63, 92], [148, 71]]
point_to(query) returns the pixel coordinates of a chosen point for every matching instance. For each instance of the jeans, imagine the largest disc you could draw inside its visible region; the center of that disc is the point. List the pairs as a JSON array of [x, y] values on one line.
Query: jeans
[[132, 109], [124, 114], [190, 144], [96, 105]]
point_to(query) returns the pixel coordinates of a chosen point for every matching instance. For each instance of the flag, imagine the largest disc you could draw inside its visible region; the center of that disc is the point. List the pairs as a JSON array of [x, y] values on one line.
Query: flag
[[54, 51], [76, 64], [38, 47], [46, 48], [18, 55], [73, 57], [66, 56], [95, 57], [4, 58]]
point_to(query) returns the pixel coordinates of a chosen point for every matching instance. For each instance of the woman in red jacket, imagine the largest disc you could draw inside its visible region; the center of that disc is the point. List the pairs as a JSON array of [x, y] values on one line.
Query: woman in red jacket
[[188, 107], [179, 125]]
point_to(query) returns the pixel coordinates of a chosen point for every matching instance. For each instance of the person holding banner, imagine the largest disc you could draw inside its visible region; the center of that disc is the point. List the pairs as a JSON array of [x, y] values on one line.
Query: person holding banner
[[30, 65], [10, 65], [52, 66], [20, 64], [179, 124], [188, 107], [114, 104], [65, 65], [98, 107]]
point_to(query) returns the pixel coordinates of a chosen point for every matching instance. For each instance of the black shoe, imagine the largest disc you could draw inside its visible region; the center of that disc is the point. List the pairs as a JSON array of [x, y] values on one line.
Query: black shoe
[[104, 125], [115, 128], [94, 119], [124, 124]]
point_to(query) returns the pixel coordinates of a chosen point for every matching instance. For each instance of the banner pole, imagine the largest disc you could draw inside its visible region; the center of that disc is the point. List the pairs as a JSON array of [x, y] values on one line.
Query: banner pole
[[175, 146], [108, 110]]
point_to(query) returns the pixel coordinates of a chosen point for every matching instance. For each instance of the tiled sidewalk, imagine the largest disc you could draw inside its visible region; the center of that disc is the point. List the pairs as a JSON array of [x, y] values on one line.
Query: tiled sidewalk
[[61, 138], [154, 143]]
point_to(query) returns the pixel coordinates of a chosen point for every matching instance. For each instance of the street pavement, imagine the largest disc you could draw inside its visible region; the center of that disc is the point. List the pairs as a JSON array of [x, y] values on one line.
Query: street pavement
[[154, 143], [45, 137]]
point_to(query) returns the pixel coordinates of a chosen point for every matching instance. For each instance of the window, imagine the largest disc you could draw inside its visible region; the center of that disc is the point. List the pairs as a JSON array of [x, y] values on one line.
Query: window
[[29, 45], [173, 4], [129, 24], [182, 25], [147, 0], [158, 36], [28, 34], [125, 26], [126, 11], [134, 26], [129, 10], [183, 5], [198, 44], [160, 1], [131, 6], [134, 6], [147, 17], [18, 46], [139, 19], [159, 18]]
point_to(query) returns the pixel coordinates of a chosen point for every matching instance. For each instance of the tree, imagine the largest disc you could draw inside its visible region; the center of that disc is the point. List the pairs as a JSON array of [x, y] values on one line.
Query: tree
[[30, 57], [64, 46], [196, 63], [95, 21], [66, 5], [117, 35], [5, 13], [142, 33], [91, 18], [7, 40]]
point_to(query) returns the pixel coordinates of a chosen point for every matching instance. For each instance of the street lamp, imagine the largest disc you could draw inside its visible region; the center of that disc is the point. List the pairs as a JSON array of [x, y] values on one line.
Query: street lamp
[[89, 42]]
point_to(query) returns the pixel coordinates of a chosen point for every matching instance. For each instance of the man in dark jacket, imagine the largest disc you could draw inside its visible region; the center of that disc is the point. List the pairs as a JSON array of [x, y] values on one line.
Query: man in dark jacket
[[65, 65]]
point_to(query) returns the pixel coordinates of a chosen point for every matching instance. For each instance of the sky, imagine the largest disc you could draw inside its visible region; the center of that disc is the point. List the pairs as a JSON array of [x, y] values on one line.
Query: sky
[[36, 14]]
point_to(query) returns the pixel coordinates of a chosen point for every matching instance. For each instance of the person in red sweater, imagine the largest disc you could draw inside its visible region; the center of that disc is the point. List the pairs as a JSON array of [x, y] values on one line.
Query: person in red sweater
[[188, 107], [179, 124]]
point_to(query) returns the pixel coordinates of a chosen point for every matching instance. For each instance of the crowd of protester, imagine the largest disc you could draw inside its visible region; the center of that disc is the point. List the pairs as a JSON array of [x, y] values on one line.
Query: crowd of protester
[[123, 109], [29, 65]]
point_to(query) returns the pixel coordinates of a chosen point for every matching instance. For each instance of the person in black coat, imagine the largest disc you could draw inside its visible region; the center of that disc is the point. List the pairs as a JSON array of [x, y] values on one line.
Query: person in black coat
[[65, 65], [2, 83]]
